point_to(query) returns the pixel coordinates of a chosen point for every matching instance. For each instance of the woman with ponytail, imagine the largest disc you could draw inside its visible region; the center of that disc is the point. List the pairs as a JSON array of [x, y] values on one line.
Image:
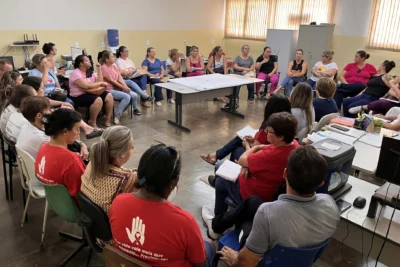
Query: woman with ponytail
[[170, 232], [105, 178], [217, 63]]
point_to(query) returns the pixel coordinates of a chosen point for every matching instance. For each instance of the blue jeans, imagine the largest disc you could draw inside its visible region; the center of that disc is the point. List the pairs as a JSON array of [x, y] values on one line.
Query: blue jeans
[[209, 254], [312, 83], [124, 100], [223, 189], [289, 81], [234, 147], [361, 100], [347, 90], [135, 88], [141, 81], [250, 89], [157, 92]]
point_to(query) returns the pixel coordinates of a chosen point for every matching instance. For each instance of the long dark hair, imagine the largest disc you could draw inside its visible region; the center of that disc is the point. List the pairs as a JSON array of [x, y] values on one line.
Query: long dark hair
[[120, 50], [277, 103], [214, 52]]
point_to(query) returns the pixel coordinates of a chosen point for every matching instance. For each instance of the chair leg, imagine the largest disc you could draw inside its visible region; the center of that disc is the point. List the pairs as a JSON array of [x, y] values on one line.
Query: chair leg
[[4, 168], [24, 200], [72, 254], [89, 257], [10, 171], [25, 210], [46, 207]]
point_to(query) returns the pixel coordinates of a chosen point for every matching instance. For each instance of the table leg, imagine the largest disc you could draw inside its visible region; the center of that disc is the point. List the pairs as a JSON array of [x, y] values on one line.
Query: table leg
[[232, 105], [178, 114]]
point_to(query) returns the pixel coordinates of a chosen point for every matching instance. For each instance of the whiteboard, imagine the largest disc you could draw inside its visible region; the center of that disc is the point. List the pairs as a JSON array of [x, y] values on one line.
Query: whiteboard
[[210, 82]]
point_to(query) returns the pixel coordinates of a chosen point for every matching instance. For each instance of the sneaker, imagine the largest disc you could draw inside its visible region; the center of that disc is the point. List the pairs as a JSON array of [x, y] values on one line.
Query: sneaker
[[116, 120], [207, 215], [137, 112], [355, 110], [150, 99], [171, 101], [211, 180], [158, 103]]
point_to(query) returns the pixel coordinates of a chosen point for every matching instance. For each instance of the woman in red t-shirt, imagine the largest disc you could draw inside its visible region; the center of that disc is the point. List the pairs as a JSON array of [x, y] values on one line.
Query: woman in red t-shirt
[[55, 164], [354, 77], [147, 226], [236, 147]]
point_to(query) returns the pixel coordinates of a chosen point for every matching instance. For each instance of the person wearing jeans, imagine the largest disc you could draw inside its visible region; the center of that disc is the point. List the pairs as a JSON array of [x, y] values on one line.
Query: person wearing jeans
[[244, 65], [117, 86], [267, 66]]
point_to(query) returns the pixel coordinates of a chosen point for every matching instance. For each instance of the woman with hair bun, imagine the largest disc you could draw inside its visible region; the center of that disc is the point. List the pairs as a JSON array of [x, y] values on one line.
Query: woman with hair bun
[[55, 164], [377, 87], [354, 77]]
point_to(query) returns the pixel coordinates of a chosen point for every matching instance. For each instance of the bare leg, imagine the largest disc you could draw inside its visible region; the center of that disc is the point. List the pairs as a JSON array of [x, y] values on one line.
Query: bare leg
[[94, 111], [109, 104], [87, 129]]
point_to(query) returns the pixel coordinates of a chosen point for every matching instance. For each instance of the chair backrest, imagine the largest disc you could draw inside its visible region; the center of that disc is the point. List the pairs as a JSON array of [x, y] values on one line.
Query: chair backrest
[[62, 203], [26, 165], [293, 257], [116, 258], [325, 120], [164, 64], [95, 219], [302, 134]]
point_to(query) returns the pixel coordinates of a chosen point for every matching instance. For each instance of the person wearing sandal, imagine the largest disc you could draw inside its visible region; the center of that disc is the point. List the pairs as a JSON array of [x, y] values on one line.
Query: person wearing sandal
[[155, 71], [236, 147], [87, 89], [135, 78], [117, 86], [267, 66]]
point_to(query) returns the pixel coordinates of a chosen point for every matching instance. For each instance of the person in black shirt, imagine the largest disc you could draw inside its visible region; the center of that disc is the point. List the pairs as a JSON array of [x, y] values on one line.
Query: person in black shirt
[[267, 66], [377, 87]]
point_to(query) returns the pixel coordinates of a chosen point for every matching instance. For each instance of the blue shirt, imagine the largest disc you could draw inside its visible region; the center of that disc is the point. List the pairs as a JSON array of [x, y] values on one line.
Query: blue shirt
[[324, 107], [51, 80], [153, 68]]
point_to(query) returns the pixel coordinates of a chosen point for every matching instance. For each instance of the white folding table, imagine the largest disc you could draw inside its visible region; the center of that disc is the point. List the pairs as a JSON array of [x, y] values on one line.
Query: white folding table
[[199, 88]]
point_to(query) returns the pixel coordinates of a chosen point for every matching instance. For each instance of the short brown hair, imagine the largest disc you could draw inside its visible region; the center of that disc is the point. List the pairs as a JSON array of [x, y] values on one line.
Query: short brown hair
[[284, 125], [4, 62], [326, 87], [32, 105]]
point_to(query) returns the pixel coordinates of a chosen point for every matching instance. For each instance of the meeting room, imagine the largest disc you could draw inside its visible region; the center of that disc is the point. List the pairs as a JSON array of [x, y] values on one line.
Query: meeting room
[[177, 133]]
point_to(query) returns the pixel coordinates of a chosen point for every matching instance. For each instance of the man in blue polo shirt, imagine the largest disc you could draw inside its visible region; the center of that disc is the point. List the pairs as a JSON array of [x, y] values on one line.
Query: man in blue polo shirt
[[300, 218]]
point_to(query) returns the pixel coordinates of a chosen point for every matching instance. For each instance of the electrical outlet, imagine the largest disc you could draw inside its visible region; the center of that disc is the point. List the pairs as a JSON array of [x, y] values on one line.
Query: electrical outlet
[[183, 41], [76, 44], [147, 42], [103, 44], [212, 41]]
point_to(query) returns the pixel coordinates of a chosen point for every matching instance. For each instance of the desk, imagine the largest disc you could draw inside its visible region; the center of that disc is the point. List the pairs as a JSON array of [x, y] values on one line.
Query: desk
[[185, 94], [366, 158], [361, 227]]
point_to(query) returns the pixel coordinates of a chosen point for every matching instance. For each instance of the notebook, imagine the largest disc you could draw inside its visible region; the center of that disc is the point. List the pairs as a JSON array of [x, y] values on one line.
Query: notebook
[[246, 131], [229, 170], [349, 122]]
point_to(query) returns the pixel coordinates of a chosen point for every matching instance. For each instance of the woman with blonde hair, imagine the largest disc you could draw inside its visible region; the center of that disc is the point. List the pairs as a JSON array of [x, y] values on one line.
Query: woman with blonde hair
[[104, 177], [301, 99], [194, 63], [323, 69], [173, 63]]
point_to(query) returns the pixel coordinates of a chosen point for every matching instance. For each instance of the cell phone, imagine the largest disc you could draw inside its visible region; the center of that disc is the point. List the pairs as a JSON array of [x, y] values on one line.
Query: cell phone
[[366, 122], [342, 205], [341, 128]]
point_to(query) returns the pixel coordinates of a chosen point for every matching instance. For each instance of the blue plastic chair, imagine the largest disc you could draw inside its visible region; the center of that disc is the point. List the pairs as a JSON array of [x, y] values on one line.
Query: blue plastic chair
[[279, 256]]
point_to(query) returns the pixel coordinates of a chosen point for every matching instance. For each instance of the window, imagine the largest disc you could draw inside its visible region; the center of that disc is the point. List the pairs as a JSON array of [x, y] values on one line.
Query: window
[[384, 30], [250, 19]]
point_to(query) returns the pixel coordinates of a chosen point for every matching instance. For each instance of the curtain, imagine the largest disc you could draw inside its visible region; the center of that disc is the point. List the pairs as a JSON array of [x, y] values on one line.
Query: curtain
[[384, 29], [250, 19]]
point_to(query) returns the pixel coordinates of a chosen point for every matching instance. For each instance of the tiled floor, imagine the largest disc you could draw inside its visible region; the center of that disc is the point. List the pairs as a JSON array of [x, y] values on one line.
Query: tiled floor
[[211, 128]]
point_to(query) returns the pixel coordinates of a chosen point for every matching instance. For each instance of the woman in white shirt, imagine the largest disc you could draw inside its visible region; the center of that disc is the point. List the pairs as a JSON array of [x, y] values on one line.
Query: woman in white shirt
[[217, 63], [301, 100], [173, 63], [323, 68], [135, 78]]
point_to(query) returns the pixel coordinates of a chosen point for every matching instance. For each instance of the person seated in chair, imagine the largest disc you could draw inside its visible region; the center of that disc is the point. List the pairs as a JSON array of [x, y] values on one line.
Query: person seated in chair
[[298, 219], [170, 233], [32, 136], [244, 65], [267, 66], [262, 165], [104, 177], [173, 63], [194, 63], [296, 73], [9, 80], [217, 63], [11, 119], [324, 103], [301, 100], [50, 50], [354, 77], [5, 65], [55, 164], [324, 68]]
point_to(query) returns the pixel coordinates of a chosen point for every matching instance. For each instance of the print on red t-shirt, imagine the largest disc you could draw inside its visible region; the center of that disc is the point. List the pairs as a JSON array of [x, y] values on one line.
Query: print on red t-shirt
[[266, 172], [158, 233]]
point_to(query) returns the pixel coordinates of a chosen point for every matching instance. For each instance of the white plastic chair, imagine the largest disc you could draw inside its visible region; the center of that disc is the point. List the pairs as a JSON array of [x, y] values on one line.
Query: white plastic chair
[[29, 181], [325, 120]]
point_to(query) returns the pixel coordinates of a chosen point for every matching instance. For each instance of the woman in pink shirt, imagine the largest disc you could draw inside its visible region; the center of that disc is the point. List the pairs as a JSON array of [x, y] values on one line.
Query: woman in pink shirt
[[194, 63], [87, 89], [117, 86], [354, 77]]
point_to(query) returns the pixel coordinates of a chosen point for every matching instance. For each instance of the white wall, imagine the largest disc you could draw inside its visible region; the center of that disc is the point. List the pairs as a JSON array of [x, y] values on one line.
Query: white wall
[[352, 17], [107, 14]]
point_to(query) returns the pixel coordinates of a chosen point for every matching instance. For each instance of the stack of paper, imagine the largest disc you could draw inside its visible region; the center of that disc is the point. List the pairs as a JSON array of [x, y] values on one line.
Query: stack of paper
[[339, 137], [246, 131], [229, 170], [315, 137]]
